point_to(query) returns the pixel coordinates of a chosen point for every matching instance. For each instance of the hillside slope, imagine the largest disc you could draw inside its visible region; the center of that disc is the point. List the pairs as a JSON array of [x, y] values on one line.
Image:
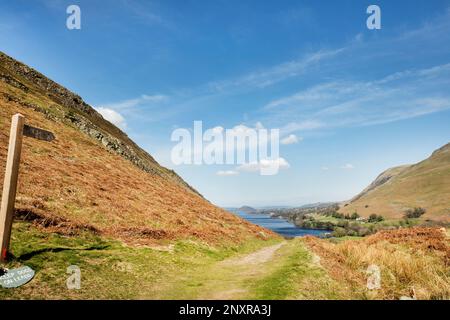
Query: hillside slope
[[44, 95], [425, 184], [94, 177]]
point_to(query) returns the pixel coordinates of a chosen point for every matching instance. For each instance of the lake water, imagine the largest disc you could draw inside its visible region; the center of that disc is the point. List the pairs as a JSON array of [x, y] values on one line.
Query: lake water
[[279, 226]]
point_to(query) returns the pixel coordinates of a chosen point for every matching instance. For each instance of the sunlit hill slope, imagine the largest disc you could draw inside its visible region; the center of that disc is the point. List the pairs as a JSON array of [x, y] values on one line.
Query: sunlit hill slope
[[94, 177], [425, 184]]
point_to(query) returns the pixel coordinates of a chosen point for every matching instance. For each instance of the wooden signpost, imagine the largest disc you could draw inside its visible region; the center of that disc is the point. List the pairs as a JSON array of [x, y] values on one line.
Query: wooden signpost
[[18, 130]]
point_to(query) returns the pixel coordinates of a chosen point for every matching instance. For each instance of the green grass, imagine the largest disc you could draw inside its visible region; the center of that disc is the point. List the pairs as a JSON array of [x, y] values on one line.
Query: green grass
[[180, 270], [351, 230], [280, 284], [296, 276], [194, 270], [109, 269], [324, 218], [290, 273]]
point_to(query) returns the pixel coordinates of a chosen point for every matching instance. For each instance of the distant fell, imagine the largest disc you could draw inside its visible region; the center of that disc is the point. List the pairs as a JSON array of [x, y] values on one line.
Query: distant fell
[[425, 184], [248, 209]]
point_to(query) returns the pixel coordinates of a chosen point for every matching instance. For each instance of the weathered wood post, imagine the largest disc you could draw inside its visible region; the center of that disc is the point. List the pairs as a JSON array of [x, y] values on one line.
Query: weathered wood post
[[10, 184], [18, 130]]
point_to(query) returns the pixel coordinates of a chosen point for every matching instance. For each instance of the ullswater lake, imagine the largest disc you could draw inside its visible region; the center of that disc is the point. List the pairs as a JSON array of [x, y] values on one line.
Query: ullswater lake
[[280, 226]]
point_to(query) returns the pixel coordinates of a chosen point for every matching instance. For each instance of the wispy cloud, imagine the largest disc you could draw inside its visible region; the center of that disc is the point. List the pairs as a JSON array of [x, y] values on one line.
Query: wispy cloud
[[398, 96], [141, 101], [331, 91], [275, 74], [189, 99], [135, 108], [227, 173], [146, 13]]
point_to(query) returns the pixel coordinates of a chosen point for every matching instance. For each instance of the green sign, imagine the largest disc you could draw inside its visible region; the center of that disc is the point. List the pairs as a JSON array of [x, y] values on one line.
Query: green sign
[[14, 278]]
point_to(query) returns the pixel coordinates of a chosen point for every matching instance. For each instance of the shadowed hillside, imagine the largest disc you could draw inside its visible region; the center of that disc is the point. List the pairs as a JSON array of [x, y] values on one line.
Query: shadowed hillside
[[94, 177], [425, 184]]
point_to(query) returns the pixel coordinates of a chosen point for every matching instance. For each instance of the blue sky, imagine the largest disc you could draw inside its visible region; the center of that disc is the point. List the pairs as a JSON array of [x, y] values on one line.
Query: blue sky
[[358, 101]]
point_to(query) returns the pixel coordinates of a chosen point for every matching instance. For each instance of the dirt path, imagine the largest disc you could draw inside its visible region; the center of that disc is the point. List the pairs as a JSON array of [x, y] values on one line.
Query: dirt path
[[233, 276], [285, 270], [257, 257]]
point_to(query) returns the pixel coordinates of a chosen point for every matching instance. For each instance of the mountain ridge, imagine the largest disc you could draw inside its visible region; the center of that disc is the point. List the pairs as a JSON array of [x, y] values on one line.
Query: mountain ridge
[[82, 115], [425, 184]]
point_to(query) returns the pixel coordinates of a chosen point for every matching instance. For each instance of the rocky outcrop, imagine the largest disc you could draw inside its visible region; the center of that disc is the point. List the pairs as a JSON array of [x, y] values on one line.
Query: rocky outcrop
[[78, 113], [55, 91], [109, 142]]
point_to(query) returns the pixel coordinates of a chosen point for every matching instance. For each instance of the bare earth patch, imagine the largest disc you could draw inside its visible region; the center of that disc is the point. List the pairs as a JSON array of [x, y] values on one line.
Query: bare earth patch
[[233, 274], [257, 257]]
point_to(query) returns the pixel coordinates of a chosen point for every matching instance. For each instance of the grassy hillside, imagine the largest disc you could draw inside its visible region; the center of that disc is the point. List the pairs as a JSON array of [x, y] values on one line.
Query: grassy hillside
[[92, 177], [58, 103], [413, 263], [425, 184], [111, 269]]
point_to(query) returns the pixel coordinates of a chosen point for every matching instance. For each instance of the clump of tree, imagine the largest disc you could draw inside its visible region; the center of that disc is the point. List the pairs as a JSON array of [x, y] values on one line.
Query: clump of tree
[[414, 213], [337, 215], [352, 229], [375, 218], [311, 223], [354, 215]]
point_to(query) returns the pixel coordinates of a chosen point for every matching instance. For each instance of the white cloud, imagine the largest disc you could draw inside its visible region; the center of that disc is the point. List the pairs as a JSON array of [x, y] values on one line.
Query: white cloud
[[243, 130], [136, 102], [113, 116], [240, 131], [291, 139], [325, 168], [348, 166], [256, 166], [227, 173]]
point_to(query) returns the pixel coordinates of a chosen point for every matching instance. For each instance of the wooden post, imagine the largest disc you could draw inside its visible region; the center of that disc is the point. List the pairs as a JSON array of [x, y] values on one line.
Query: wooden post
[[10, 184]]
